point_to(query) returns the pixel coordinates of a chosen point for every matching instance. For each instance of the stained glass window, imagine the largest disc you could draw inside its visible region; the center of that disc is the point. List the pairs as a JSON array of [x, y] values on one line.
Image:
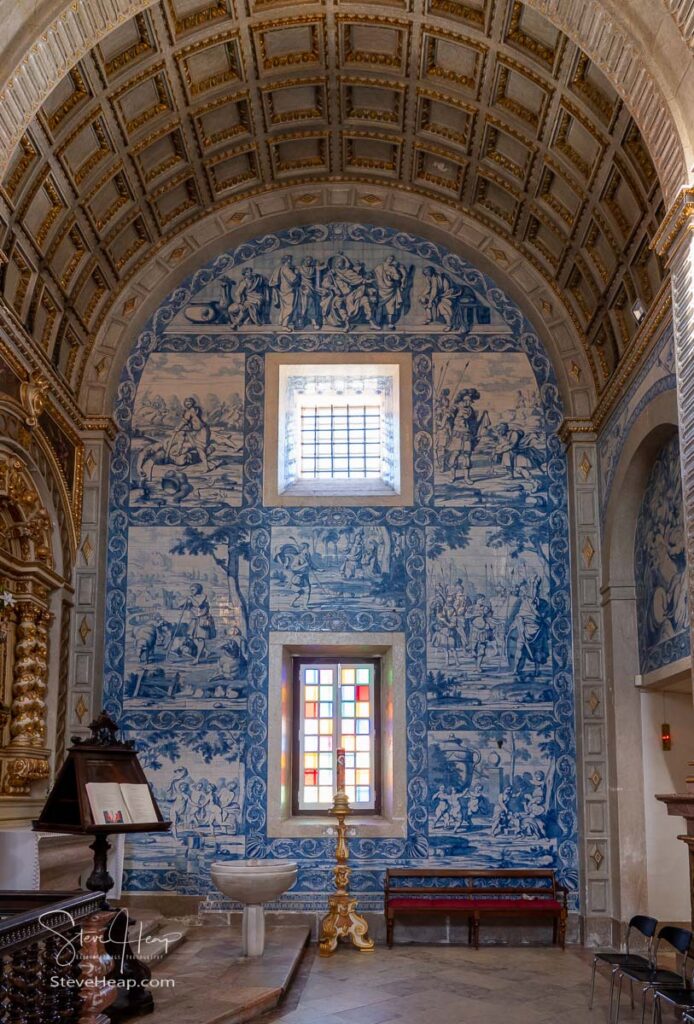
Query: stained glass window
[[338, 709]]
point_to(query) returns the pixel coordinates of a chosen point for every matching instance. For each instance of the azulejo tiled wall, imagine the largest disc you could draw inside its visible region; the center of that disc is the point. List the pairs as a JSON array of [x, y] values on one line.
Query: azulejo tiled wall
[[475, 572], [660, 563]]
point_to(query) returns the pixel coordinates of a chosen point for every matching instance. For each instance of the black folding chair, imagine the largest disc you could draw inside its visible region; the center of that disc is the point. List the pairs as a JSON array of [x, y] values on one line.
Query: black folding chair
[[653, 976], [646, 926], [681, 999]]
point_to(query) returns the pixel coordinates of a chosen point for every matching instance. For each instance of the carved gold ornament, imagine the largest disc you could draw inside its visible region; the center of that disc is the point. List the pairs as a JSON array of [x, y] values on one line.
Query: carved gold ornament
[[342, 919], [33, 397]]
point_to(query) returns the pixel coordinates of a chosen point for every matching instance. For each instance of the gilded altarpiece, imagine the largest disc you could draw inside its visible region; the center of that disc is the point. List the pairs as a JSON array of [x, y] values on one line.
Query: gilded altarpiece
[[26, 565]]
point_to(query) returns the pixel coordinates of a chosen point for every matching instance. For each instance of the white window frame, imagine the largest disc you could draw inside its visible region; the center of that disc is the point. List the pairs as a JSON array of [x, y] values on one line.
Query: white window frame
[[284, 377], [391, 823]]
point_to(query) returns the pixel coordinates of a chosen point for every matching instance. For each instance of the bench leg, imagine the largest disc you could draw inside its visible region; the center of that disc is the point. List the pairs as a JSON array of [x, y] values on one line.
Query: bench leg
[[390, 922], [476, 930], [562, 929], [469, 930]]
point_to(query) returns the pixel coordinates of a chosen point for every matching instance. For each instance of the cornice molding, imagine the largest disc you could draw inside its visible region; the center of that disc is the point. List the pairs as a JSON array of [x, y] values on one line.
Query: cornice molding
[[677, 224], [642, 343]]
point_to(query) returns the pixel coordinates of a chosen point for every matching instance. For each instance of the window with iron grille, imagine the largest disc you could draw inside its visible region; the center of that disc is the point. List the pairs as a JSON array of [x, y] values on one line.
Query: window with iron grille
[[340, 442]]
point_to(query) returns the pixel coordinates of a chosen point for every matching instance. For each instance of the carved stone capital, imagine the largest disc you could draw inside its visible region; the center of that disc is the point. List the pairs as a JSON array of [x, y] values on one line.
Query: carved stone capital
[[21, 771]]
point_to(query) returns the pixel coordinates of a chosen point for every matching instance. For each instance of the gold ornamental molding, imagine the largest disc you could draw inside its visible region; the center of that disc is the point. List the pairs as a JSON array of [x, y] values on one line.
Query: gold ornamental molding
[[650, 329], [39, 448], [28, 577], [20, 772], [677, 224]]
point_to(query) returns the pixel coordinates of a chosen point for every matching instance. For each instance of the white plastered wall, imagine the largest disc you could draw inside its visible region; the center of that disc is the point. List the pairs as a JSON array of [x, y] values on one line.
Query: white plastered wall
[[664, 772], [653, 863]]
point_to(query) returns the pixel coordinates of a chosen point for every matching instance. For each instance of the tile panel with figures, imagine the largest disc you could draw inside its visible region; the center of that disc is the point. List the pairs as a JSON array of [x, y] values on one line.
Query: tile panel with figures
[[474, 573]]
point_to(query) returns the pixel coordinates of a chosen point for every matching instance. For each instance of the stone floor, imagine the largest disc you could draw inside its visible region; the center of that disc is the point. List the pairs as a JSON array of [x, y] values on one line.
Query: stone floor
[[447, 985], [406, 985]]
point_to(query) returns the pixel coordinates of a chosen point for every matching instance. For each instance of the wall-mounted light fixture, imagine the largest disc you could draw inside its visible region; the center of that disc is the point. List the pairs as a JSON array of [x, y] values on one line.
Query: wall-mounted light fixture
[[665, 736], [639, 311]]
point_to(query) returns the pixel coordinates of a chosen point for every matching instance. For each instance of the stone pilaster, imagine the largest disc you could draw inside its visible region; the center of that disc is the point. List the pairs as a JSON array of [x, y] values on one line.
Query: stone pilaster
[[598, 864], [674, 243], [84, 697]]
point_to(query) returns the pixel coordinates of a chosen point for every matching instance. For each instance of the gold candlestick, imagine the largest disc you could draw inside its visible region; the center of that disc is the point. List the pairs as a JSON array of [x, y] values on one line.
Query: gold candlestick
[[342, 919]]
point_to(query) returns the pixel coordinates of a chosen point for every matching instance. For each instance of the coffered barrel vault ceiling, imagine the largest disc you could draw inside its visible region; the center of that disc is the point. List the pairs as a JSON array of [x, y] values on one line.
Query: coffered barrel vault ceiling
[[196, 104]]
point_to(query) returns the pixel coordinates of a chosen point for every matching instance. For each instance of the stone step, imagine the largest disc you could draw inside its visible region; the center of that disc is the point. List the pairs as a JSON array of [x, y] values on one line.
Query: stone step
[[243, 987], [153, 937]]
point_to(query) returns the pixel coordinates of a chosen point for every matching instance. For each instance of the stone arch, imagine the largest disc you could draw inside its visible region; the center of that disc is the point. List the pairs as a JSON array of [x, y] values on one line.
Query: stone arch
[[417, 215], [656, 424], [61, 37]]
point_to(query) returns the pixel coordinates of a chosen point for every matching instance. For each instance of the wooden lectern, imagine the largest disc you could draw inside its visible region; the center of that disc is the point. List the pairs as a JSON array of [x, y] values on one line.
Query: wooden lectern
[[103, 758]]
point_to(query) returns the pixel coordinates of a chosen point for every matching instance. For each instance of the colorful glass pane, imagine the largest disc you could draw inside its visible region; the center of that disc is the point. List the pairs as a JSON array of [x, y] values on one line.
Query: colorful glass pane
[[332, 720]]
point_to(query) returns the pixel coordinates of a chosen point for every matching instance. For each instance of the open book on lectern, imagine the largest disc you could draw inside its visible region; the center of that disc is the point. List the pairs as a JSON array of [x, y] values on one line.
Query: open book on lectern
[[120, 803]]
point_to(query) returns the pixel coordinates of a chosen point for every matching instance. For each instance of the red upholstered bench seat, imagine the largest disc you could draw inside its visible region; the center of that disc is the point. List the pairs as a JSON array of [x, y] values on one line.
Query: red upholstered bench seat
[[477, 892], [518, 905]]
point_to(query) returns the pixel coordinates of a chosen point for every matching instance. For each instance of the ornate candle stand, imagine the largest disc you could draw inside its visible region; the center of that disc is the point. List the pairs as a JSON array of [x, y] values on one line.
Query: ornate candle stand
[[342, 919]]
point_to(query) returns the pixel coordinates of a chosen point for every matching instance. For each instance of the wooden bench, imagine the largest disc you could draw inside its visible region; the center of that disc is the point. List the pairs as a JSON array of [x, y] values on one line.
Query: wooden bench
[[477, 893]]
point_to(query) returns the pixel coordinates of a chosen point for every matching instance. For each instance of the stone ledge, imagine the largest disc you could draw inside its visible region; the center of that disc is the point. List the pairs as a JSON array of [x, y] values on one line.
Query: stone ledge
[[244, 987]]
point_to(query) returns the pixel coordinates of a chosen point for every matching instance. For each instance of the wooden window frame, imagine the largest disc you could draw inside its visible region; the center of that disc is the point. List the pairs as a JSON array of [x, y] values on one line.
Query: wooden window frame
[[305, 660]]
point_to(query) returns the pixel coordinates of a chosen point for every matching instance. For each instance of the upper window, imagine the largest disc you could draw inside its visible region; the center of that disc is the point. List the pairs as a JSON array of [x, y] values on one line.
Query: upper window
[[337, 703], [337, 428], [341, 442], [339, 423]]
